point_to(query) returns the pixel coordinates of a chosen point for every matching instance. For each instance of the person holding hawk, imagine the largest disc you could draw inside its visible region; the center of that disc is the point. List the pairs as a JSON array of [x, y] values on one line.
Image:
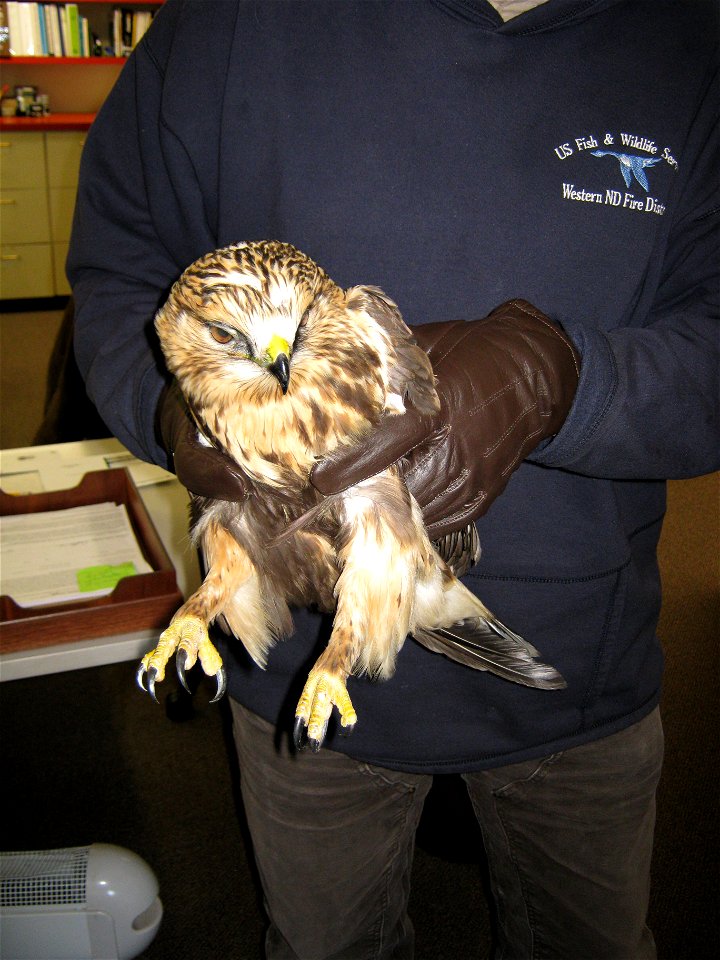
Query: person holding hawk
[[470, 160]]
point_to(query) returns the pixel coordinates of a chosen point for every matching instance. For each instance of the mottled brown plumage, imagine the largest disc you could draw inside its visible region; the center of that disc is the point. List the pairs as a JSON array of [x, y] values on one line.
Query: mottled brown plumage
[[280, 367]]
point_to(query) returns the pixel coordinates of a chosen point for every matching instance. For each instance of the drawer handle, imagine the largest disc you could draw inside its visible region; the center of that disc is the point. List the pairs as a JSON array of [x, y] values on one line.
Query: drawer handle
[[5, 145], [7, 203], [10, 256]]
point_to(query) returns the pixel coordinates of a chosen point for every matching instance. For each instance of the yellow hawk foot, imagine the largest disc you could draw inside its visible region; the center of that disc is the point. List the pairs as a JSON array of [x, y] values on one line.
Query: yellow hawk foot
[[187, 638], [322, 691]]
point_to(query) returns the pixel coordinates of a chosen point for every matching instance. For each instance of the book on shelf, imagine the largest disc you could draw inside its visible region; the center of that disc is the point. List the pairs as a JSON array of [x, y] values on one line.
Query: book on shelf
[[61, 30], [20, 35], [4, 30], [73, 22]]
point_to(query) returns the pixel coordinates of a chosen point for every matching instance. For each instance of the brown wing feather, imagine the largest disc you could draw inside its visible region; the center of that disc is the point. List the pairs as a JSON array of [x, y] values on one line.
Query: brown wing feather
[[487, 644], [460, 549], [410, 374]]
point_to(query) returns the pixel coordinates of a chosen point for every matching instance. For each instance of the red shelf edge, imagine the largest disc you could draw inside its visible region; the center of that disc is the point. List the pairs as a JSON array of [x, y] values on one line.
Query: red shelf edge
[[56, 121], [64, 61]]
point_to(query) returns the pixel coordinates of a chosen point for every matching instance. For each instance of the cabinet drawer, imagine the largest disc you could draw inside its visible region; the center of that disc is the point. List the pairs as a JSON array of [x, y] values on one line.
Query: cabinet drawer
[[22, 160], [64, 149], [60, 252], [62, 205], [24, 216], [26, 270]]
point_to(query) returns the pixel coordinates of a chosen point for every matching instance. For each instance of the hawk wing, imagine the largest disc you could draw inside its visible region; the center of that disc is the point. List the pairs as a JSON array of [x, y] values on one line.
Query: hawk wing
[[409, 373], [410, 377]]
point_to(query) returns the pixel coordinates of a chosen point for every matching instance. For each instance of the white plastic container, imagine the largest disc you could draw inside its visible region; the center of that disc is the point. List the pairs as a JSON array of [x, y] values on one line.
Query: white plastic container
[[80, 903]]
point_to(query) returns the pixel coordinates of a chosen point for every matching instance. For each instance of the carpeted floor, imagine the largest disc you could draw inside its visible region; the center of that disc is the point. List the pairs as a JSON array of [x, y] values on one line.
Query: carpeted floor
[[86, 758]]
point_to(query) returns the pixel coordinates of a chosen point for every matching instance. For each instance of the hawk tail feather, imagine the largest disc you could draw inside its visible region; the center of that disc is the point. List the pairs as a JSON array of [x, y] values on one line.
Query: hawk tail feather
[[487, 644]]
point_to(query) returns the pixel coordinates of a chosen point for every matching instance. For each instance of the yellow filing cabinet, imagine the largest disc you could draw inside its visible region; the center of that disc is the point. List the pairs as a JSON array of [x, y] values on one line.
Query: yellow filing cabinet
[[64, 149], [38, 182], [22, 160]]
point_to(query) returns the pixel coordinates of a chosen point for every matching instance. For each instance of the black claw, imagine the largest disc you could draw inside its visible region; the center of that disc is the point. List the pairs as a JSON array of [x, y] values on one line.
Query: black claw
[[180, 661], [346, 731], [316, 744], [221, 677], [300, 733], [152, 674]]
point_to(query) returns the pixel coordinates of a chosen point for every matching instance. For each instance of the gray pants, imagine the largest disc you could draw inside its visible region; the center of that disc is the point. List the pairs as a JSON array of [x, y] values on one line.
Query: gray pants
[[568, 840]]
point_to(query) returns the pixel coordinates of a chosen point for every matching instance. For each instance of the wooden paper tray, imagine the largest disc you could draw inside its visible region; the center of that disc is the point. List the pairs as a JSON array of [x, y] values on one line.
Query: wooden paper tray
[[141, 602]]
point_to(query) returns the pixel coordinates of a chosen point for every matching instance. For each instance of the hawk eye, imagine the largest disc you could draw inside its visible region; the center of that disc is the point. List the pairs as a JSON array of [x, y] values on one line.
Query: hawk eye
[[220, 334]]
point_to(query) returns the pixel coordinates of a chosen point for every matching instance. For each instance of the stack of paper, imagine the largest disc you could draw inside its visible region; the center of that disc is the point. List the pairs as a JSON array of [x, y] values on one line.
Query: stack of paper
[[71, 554]]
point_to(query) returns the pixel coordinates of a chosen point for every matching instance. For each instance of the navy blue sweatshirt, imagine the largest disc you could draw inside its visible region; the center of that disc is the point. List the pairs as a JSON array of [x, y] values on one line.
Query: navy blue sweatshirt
[[568, 157]]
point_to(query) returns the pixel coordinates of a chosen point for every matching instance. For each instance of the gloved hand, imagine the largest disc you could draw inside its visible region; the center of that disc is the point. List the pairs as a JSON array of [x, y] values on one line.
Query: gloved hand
[[505, 384], [203, 470]]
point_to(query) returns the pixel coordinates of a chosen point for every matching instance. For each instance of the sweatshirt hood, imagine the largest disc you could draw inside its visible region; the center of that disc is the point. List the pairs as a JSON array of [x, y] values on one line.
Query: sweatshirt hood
[[551, 15]]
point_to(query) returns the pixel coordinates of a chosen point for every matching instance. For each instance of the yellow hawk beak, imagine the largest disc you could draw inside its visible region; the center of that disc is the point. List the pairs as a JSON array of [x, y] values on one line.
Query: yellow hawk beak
[[277, 359]]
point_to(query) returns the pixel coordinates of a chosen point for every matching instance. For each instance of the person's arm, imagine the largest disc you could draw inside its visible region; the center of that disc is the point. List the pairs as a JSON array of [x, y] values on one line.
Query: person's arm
[[139, 220], [119, 273], [646, 406], [648, 401]]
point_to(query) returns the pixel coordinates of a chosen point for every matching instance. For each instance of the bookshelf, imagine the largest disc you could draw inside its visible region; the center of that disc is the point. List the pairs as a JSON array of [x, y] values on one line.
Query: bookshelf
[[76, 85], [40, 156]]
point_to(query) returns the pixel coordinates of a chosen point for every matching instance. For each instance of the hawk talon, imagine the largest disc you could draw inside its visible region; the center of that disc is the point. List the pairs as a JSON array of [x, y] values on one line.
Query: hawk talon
[[316, 742], [151, 678], [300, 733], [301, 739], [188, 639], [151, 675], [322, 692], [221, 677], [181, 658]]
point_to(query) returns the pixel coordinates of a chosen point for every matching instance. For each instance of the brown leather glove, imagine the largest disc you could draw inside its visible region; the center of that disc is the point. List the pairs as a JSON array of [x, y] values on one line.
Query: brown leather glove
[[203, 470], [505, 384]]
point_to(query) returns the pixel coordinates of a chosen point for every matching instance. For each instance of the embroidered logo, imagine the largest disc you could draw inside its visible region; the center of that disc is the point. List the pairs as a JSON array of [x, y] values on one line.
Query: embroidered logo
[[634, 167], [631, 166]]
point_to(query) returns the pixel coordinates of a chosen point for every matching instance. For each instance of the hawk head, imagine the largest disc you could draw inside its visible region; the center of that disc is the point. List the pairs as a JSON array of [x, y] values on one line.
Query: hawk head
[[279, 364], [236, 316]]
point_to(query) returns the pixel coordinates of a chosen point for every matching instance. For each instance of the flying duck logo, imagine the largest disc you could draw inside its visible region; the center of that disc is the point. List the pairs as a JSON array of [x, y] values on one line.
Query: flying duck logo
[[631, 166], [634, 167]]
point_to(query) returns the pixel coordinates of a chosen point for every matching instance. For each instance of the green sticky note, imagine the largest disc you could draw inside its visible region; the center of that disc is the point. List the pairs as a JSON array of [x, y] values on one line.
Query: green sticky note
[[103, 577]]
